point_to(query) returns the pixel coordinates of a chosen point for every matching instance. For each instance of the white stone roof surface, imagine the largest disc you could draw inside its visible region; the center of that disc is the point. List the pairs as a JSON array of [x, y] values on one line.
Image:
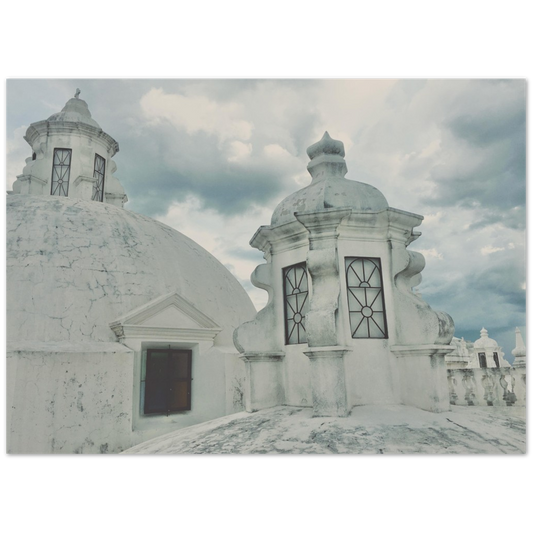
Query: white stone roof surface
[[368, 429]]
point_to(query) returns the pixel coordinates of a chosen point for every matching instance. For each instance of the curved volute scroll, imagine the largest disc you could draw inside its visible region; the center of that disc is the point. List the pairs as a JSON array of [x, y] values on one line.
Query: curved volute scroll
[[257, 336], [416, 321]]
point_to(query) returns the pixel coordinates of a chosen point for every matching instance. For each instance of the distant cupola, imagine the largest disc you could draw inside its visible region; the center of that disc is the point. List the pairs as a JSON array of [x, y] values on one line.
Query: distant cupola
[[72, 156]]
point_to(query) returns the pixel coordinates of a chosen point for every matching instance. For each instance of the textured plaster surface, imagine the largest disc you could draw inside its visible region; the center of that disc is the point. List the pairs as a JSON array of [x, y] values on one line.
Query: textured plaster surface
[[74, 266], [367, 430], [69, 398]]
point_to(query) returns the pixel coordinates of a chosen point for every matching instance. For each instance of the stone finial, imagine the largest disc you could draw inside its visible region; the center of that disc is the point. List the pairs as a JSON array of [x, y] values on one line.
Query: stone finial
[[327, 159], [484, 332], [326, 145], [520, 351], [77, 94]]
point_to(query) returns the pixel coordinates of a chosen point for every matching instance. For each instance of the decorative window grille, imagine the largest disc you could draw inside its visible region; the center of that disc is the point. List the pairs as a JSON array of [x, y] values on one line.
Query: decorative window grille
[[366, 305], [61, 171], [99, 174], [496, 360], [167, 381], [482, 360], [295, 292]]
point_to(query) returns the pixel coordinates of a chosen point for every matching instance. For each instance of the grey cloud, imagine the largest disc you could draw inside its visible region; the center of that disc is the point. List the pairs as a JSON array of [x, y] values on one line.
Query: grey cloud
[[514, 218], [486, 128], [173, 165], [497, 183], [404, 91]]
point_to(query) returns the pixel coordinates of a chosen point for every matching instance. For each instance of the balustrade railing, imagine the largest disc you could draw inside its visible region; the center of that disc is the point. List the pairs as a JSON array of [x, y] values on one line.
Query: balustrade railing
[[487, 386]]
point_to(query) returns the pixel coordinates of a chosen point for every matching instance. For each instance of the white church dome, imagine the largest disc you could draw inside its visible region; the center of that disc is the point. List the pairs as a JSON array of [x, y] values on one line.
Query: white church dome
[[75, 266], [75, 110], [485, 341], [329, 188]]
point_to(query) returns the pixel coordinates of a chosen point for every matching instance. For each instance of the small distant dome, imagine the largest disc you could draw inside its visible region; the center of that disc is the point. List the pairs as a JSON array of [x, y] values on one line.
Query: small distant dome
[[485, 341], [329, 188], [75, 110]]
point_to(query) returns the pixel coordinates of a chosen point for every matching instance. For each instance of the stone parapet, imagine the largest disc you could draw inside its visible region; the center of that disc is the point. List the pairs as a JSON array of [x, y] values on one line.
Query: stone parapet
[[487, 386]]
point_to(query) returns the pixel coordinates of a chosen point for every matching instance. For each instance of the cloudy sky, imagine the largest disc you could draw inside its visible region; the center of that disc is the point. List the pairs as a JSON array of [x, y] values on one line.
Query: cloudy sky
[[212, 158]]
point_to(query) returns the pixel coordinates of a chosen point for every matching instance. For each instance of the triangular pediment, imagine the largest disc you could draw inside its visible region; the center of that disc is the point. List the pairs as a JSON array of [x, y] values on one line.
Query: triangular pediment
[[168, 311]]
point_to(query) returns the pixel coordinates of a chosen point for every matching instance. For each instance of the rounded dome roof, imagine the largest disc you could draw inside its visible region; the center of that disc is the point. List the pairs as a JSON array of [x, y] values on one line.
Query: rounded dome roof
[[329, 188], [326, 194], [75, 110], [75, 266], [485, 341]]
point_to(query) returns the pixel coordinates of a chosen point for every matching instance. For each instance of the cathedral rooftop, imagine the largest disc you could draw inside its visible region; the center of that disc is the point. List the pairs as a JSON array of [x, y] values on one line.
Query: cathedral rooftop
[[371, 429]]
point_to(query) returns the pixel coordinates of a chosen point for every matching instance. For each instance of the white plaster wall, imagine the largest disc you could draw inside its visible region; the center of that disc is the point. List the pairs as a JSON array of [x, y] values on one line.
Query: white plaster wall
[[83, 146], [208, 390], [424, 382], [296, 376], [69, 398], [371, 374]]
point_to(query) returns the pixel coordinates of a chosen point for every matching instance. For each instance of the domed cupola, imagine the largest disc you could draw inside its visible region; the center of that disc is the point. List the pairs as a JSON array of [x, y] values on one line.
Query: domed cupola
[[341, 308], [75, 110], [329, 188], [71, 157], [485, 341]]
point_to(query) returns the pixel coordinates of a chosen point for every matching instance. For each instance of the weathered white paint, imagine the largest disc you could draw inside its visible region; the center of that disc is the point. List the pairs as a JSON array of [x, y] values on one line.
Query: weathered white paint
[[320, 225], [65, 397], [75, 129], [519, 351], [488, 386], [383, 429], [84, 275]]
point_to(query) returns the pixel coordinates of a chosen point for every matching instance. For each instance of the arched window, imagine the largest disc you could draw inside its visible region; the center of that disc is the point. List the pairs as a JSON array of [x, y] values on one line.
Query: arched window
[[295, 292], [61, 171], [482, 360], [366, 304], [496, 359], [99, 174]]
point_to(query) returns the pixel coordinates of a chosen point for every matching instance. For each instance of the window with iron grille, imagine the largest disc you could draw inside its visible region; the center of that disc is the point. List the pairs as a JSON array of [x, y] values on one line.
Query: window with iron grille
[[482, 360], [61, 171], [496, 360], [166, 383], [99, 174], [366, 304], [295, 292]]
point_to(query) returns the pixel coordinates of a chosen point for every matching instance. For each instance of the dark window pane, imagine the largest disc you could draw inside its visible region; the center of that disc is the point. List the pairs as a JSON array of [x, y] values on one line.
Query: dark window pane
[[179, 396], [180, 365], [167, 381], [482, 360]]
